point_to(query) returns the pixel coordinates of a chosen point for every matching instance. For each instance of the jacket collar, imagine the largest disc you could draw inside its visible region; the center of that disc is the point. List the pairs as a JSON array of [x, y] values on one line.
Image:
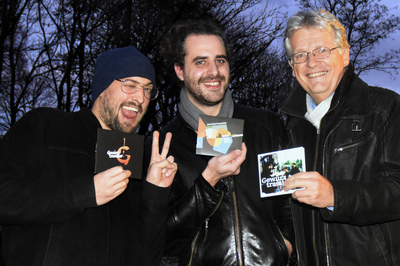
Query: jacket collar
[[350, 97]]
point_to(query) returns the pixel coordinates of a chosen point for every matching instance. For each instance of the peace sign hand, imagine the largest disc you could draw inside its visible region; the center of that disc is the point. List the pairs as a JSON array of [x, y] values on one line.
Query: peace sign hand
[[162, 170]]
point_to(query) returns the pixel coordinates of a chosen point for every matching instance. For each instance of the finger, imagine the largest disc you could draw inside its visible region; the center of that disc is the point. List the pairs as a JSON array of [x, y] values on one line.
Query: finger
[[299, 194], [171, 159], [241, 156], [121, 185], [244, 149], [230, 157], [166, 145], [292, 184], [237, 171], [121, 177], [171, 166], [116, 170], [172, 175], [171, 170], [288, 183], [155, 146], [119, 192], [298, 180], [156, 167], [244, 152]]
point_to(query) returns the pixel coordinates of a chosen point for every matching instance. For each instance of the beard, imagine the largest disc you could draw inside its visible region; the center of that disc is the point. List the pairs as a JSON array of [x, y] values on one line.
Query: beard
[[109, 117], [203, 97]]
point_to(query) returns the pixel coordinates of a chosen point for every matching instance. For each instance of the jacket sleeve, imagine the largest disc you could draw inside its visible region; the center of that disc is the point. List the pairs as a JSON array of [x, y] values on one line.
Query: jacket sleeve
[[154, 215], [28, 193], [190, 212], [374, 196]]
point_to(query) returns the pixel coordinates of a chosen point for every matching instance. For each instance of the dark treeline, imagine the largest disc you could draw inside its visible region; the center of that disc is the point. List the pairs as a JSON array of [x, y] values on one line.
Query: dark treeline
[[48, 48]]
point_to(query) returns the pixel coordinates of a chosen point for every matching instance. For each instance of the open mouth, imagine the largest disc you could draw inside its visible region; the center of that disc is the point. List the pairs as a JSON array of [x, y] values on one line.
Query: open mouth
[[131, 108], [129, 111]]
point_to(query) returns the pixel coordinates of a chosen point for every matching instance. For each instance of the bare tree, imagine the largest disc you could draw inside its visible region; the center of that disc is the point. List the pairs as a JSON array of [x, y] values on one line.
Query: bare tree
[[50, 47], [76, 28], [21, 85], [268, 83]]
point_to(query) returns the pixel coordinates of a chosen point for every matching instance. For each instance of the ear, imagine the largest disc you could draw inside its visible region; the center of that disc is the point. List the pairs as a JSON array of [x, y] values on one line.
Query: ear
[[294, 75], [179, 72], [346, 56]]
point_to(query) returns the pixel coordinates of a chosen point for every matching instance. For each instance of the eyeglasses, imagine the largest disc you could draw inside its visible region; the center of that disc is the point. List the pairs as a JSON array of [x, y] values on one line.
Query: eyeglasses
[[130, 86], [319, 53]]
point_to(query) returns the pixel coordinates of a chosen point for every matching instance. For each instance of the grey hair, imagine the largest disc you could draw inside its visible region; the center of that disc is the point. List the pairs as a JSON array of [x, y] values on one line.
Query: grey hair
[[320, 19]]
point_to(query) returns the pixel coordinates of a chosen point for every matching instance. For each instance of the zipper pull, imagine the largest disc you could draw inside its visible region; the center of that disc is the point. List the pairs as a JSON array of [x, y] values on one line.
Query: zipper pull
[[206, 223]]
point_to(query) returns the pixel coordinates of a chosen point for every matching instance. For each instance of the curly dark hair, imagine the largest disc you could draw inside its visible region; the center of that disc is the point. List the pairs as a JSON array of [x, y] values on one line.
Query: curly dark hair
[[173, 44]]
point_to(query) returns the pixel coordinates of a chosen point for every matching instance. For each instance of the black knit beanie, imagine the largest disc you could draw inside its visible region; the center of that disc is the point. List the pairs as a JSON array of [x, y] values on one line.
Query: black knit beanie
[[120, 63]]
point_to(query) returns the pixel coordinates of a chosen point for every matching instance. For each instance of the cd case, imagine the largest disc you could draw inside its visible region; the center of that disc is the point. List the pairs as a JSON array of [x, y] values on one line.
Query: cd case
[[275, 167], [117, 148], [218, 135]]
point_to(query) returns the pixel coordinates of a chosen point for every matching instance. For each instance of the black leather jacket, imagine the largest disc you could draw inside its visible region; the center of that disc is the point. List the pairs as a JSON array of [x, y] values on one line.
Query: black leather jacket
[[228, 224], [358, 150]]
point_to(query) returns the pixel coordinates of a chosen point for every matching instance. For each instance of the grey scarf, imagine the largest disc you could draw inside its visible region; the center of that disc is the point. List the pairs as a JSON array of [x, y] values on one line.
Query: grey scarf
[[191, 113]]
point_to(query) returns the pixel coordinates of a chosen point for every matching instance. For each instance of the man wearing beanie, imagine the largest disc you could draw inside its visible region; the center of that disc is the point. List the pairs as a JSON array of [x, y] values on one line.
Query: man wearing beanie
[[54, 210]]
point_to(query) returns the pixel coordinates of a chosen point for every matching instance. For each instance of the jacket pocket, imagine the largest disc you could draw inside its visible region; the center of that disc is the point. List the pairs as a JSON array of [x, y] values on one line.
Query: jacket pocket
[[354, 145], [352, 160]]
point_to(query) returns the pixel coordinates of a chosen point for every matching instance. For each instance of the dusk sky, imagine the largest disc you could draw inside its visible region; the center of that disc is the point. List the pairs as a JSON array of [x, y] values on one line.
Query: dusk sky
[[375, 78]]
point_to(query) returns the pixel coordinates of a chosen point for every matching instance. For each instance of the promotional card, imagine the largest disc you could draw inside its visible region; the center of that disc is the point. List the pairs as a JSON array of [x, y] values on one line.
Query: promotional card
[[118, 148], [218, 135], [275, 167]]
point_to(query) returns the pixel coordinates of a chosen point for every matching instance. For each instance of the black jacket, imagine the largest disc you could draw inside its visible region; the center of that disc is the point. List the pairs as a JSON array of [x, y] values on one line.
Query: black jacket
[[358, 151], [48, 210], [228, 224]]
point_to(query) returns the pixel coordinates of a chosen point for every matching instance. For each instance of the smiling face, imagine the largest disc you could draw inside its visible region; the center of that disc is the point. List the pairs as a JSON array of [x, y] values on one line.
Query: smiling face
[[119, 111], [319, 78], [205, 72]]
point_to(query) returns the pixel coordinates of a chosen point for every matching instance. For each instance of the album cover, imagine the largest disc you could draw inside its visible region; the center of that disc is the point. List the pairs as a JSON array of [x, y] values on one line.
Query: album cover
[[218, 135], [275, 167], [117, 148]]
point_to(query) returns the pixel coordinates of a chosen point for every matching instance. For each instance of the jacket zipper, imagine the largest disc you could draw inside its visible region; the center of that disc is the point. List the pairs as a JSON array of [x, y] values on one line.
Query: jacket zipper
[[237, 229], [313, 211], [344, 148], [326, 235], [192, 248]]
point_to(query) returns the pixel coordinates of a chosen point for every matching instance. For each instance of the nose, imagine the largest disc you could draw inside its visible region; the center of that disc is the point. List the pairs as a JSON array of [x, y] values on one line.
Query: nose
[[213, 69], [138, 95], [312, 62]]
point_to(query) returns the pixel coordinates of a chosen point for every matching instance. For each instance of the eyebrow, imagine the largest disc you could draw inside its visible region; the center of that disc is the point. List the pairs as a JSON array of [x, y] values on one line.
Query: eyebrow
[[149, 83], [205, 57], [199, 58]]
